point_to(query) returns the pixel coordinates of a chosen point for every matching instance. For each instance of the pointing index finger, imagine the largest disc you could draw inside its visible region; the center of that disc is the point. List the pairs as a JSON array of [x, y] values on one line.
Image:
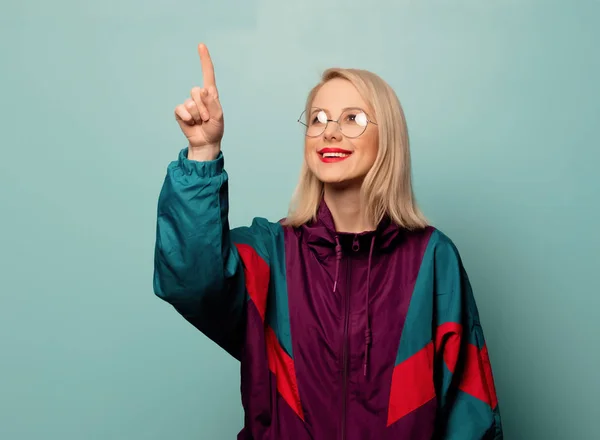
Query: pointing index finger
[[208, 71]]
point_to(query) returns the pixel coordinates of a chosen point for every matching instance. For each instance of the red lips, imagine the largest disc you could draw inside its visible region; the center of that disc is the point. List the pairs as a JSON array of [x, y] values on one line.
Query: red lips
[[329, 155]]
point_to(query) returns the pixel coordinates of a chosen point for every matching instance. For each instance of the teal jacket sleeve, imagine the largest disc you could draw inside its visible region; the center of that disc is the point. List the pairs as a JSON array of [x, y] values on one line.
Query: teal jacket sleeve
[[197, 267], [468, 404]]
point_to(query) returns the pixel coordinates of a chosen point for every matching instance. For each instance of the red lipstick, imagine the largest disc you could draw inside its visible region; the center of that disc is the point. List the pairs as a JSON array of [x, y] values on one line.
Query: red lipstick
[[329, 155]]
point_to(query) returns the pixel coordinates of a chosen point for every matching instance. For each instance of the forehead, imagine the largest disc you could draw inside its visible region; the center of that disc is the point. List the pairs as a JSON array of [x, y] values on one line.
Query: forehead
[[337, 94]]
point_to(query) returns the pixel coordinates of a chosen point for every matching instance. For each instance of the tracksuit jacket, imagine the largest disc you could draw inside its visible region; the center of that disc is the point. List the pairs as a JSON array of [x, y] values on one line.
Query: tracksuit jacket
[[370, 336]]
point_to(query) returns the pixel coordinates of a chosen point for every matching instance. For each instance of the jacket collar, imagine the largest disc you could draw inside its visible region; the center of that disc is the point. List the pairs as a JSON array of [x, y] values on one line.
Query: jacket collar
[[329, 245], [321, 234]]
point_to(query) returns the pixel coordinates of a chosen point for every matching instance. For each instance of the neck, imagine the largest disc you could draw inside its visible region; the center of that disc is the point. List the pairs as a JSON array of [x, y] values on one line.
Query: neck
[[346, 209]]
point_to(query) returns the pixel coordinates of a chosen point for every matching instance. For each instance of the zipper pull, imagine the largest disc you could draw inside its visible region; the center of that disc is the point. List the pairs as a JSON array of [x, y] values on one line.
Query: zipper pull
[[355, 244]]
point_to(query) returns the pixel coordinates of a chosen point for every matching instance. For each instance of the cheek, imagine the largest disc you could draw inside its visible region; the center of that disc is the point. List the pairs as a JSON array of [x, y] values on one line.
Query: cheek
[[370, 147], [309, 148]]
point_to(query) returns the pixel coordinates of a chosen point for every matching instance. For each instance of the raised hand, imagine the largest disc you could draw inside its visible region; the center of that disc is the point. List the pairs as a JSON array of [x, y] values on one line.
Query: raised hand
[[201, 116]]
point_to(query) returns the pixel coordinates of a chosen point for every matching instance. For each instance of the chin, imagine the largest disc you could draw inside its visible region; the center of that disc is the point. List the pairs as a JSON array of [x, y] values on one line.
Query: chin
[[339, 181], [332, 181], [337, 175], [329, 175]]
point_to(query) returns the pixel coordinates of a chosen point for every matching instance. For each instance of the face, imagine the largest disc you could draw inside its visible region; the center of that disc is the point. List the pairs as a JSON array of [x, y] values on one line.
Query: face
[[336, 157]]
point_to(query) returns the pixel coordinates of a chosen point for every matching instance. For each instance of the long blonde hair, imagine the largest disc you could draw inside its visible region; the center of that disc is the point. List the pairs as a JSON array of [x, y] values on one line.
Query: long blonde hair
[[387, 187]]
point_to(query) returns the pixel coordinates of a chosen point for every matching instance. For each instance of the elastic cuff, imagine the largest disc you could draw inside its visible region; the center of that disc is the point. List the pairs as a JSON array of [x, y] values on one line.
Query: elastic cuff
[[209, 168]]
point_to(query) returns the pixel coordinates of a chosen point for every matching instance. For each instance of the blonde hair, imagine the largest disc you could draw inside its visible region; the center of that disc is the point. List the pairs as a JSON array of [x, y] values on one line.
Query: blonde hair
[[387, 187]]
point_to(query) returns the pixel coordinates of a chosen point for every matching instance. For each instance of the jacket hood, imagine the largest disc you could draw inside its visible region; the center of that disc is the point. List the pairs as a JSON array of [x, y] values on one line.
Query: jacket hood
[[322, 236], [324, 240]]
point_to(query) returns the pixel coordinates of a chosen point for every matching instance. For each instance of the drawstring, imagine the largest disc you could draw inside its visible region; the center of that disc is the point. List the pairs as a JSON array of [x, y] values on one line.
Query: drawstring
[[368, 338], [338, 257]]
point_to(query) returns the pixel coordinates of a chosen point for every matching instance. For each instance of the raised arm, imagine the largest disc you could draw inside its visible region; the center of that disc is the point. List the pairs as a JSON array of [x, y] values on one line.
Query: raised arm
[[198, 268]]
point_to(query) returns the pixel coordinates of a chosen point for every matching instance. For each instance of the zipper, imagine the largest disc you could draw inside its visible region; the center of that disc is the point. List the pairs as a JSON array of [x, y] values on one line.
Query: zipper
[[355, 248], [345, 351]]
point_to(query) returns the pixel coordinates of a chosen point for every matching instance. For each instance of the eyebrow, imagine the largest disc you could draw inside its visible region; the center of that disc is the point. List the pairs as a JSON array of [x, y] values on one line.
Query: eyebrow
[[314, 109]]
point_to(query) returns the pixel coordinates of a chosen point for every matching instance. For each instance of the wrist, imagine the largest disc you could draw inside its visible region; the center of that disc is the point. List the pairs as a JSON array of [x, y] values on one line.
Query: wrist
[[204, 153]]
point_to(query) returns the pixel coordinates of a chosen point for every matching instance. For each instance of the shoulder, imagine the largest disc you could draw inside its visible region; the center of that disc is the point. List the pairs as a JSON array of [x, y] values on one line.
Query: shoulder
[[431, 238], [440, 239], [262, 236], [442, 249], [260, 228]]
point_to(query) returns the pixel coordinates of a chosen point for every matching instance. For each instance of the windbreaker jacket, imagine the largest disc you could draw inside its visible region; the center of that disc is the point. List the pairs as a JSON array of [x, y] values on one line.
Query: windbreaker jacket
[[371, 336]]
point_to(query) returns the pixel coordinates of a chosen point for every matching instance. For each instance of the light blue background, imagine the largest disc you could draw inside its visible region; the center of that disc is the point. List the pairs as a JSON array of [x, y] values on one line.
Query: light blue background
[[503, 106]]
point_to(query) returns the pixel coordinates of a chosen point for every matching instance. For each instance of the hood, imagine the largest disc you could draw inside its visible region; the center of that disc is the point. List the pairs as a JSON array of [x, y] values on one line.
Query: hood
[[326, 242], [322, 237]]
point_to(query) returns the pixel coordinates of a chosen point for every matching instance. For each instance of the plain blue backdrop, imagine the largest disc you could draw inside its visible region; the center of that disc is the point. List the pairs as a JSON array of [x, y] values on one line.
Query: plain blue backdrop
[[502, 101]]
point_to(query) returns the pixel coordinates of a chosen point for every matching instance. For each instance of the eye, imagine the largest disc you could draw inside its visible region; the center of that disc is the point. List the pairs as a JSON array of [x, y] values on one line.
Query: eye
[[319, 117], [322, 117], [361, 119]]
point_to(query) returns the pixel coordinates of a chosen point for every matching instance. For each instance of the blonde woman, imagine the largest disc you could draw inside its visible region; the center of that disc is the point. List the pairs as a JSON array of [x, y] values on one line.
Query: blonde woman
[[352, 318]]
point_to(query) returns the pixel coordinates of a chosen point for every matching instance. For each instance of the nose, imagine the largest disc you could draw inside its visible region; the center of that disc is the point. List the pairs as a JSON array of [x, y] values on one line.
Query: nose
[[332, 131]]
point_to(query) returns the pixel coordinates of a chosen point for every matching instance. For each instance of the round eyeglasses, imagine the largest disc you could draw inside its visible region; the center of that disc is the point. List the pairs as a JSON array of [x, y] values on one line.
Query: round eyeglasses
[[352, 122]]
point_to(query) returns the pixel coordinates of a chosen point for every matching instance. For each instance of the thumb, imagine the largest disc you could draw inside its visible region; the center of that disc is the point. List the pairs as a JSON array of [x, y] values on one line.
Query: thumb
[[211, 100]]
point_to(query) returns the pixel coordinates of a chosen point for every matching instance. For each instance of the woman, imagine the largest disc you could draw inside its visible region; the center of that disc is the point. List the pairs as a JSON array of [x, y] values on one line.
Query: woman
[[352, 318]]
